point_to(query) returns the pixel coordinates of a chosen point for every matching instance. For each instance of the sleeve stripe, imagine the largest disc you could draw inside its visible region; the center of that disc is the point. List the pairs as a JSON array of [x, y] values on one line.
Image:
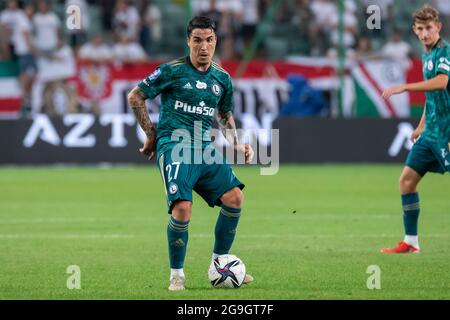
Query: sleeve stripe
[[177, 62], [217, 67], [221, 70]]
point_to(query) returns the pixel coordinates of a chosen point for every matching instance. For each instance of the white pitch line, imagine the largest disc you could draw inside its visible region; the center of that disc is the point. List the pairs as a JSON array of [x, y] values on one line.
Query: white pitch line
[[72, 220], [13, 236], [312, 236], [43, 236], [152, 218]]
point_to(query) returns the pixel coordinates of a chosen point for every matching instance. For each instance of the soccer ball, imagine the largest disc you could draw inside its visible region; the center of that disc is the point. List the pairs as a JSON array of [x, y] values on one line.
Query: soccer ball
[[226, 271]]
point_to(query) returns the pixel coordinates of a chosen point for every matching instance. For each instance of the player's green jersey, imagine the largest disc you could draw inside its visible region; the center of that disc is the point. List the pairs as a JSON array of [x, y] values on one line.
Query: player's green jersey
[[189, 100], [437, 114]]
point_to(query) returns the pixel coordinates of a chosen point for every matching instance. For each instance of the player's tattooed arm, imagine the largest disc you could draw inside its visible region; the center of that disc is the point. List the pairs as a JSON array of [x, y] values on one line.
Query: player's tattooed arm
[[136, 99], [228, 127]]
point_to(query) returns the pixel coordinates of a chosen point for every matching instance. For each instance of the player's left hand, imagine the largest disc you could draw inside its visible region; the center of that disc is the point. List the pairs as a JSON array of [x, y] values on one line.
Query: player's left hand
[[149, 147], [248, 151], [393, 91]]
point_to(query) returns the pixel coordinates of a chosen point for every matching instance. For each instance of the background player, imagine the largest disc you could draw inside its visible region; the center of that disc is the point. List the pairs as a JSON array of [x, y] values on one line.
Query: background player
[[191, 89], [430, 152]]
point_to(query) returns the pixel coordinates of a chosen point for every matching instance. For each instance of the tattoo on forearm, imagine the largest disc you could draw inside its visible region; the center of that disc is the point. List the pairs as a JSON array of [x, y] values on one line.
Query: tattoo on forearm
[[228, 127], [136, 98]]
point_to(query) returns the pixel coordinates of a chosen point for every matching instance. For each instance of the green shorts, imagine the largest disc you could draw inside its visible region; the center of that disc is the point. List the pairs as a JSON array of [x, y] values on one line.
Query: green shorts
[[427, 156], [210, 181]]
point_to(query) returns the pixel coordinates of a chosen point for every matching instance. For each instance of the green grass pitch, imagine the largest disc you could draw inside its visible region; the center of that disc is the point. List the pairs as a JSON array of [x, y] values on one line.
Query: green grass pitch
[[309, 232]]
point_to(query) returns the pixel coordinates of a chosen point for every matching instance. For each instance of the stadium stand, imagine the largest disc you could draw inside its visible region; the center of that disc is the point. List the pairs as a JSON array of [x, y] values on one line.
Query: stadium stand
[[288, 34]]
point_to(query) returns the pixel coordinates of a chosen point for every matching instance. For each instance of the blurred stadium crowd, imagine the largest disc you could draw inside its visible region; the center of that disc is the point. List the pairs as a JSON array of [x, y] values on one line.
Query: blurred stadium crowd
[[121, 32], [135, 30]]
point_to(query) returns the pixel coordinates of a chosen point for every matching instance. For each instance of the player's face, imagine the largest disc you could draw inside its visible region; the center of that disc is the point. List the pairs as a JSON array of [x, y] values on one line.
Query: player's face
[[428, 33], [202, 44]]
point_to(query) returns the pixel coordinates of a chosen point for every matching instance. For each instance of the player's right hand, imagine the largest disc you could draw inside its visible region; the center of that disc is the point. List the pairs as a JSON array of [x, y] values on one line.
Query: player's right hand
[[415, 135], [149, 147], [247, 150]]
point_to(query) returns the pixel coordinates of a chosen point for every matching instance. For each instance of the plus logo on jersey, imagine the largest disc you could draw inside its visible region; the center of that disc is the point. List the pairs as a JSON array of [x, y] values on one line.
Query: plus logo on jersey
[[202, 109]]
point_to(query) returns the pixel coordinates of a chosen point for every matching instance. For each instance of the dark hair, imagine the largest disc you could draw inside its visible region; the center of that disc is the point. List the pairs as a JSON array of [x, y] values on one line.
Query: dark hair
[[426, 14], [200, 23]]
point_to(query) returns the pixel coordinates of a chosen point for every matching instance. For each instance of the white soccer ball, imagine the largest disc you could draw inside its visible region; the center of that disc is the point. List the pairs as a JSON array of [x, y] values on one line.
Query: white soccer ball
[[226, 271]]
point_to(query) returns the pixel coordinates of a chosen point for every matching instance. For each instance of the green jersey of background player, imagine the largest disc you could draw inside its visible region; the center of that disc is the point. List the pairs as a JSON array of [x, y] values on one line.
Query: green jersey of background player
[[193, 90], [430, 152]]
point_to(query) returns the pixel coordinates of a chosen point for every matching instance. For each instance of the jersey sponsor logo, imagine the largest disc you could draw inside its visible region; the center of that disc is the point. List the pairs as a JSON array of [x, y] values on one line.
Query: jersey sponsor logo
[[146, 82], [202, 109], [201, 85], [216, 89], [188, 86], [444, 60]]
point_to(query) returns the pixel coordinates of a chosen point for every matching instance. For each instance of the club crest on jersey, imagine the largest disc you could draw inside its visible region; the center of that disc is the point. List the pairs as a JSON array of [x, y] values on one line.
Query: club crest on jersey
[[201, 85], [216, 89]]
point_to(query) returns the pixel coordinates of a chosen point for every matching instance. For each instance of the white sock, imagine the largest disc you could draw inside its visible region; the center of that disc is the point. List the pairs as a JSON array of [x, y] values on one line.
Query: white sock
[[412, 241], [177, 272]]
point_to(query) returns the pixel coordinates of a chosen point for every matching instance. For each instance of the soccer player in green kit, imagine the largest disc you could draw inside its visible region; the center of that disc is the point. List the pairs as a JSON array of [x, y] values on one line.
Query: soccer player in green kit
[[430, 152], [193, 90]]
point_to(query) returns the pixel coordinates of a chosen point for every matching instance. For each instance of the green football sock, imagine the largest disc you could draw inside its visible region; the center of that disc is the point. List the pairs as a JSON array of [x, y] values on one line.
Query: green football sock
[[177, 237], [411, 209], [226, 229]]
